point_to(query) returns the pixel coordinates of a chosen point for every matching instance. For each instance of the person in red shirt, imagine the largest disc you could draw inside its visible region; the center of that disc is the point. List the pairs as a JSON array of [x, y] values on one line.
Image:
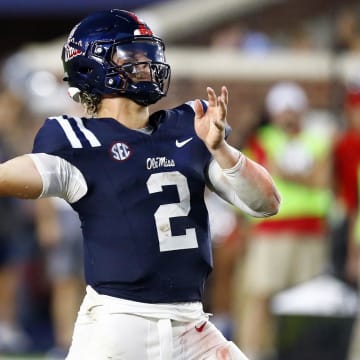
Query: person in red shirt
[[347, 152], [346, 163]]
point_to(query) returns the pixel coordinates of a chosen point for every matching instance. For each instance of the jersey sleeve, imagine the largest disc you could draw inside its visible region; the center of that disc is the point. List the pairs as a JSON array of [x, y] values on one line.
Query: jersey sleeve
[[59, 178]]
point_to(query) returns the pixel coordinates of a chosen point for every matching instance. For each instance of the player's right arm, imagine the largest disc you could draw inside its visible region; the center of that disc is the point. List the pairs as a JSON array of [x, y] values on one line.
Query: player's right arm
[[20, 177], [34, 176], [47, 171]]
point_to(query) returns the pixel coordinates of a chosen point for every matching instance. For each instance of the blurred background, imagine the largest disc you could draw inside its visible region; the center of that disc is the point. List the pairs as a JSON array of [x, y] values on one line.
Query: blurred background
[[282, 289]]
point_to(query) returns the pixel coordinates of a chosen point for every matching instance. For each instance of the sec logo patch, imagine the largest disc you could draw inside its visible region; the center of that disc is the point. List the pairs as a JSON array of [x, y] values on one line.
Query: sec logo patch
[[120, 151]]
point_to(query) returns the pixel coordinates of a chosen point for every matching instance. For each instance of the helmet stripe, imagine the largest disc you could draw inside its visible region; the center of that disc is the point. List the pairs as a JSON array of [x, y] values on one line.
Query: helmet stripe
[[143, 28]]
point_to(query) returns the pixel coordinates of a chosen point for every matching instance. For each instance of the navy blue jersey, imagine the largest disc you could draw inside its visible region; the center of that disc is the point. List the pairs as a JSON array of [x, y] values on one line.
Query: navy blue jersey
[[144, 220]]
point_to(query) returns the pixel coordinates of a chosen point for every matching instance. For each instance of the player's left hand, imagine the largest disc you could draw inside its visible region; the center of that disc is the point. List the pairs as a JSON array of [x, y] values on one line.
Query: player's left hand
[[210, 125]]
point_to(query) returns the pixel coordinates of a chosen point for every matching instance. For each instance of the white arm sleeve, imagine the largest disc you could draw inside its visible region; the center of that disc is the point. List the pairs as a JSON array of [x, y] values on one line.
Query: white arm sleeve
[[235, 189], [59, 177]]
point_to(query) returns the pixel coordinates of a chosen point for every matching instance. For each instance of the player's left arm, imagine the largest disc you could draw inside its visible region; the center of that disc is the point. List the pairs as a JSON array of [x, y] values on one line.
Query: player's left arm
[[232, 175]]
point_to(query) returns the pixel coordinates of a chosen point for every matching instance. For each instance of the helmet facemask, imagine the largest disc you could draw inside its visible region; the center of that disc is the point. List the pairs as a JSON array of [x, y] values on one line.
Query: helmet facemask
[[135, 69]]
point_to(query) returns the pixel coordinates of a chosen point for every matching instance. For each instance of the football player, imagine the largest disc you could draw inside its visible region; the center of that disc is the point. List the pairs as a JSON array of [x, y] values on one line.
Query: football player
[[137, 182]]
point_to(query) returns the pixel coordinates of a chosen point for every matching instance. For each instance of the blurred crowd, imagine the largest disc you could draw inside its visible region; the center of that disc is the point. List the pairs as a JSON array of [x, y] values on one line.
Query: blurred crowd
[[315, 163], [338, 33]]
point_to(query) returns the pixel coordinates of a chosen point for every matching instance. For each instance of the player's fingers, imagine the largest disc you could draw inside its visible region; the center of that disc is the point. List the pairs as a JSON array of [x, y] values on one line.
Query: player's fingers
[[222, 108], [198, 108], [212, 98], [219, 124], [225, 94]]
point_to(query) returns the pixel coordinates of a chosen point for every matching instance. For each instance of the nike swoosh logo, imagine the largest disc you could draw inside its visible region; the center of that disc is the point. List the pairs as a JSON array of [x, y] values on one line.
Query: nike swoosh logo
[[201, 327], [180, 144]]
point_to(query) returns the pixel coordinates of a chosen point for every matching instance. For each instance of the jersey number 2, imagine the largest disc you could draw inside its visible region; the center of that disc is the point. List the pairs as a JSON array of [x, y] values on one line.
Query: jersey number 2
[[167, 241]]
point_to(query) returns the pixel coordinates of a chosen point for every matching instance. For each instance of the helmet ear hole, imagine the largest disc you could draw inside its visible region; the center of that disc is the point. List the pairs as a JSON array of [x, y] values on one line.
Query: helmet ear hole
[[85, 70]]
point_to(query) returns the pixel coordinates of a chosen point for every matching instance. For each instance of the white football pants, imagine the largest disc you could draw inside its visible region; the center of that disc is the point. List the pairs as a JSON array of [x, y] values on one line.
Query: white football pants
[[105, 330]]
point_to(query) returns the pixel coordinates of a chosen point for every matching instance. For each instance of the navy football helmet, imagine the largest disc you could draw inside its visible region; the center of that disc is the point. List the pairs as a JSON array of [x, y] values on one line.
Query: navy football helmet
[[114, 53]]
